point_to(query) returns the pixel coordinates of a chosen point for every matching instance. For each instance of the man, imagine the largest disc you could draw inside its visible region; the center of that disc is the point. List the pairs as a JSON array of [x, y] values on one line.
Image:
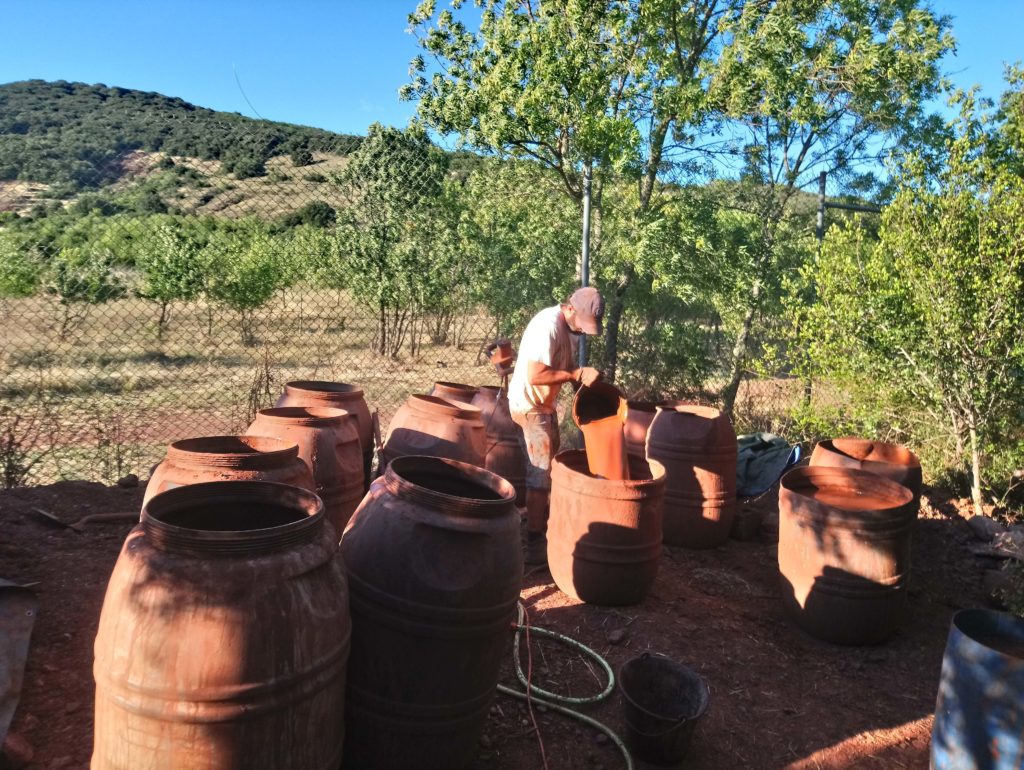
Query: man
[[547, 360]]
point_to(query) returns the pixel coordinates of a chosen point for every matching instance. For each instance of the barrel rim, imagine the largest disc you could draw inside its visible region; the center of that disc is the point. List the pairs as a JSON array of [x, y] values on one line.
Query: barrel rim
[[323, 389], [968, 622], [898, 451], [697, 410], [900, 495], [462, 387], [438, 405], [174, 538], [580, 481], [605, 388], [216, 451], [402, 487], [307, 415]]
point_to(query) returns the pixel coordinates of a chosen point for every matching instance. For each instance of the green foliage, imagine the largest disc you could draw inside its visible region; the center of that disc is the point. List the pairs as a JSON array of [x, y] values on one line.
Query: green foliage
[[19, 270], [934, 310], [171, 268], [392, 179], [315, 214], [243, 269], [77, 134], [301, 157]]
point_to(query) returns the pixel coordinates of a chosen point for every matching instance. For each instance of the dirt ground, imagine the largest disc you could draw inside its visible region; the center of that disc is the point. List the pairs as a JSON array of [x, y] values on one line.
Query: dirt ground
[[779, 699]]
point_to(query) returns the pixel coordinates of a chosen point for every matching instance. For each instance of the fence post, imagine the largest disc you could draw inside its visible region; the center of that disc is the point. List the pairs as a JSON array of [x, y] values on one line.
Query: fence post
[[585, 257]]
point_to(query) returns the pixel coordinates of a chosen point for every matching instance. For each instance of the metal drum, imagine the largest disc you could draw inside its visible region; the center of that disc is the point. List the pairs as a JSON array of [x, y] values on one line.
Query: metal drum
[[890, 460], [844, 552], [505, 455], [429, 425]]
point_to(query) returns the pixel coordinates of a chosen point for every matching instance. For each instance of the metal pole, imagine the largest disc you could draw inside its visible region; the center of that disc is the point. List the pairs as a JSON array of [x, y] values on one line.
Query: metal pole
[[585, 259], [819, 231]]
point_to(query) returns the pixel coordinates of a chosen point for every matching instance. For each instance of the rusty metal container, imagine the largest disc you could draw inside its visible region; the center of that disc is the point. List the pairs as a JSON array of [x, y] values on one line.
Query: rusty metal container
[[697, 446], [505, 454], [328, 441], [639, 416], [844, 552], [604, 536], [435, 567], [429, 425], [600, 412], [893, 461], [339, 395], [229, 458], [224, 635], [454, 391]]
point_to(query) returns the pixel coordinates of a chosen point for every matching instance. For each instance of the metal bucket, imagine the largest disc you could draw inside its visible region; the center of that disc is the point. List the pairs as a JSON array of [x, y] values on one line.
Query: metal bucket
[[663, 700], [979, 724]]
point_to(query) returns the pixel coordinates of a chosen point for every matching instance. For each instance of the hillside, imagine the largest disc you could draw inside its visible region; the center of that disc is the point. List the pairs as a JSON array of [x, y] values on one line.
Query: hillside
[[78, 137]]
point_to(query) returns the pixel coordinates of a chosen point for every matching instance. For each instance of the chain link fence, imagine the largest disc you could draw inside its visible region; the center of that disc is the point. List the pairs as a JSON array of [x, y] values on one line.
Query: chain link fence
[[169, 286]]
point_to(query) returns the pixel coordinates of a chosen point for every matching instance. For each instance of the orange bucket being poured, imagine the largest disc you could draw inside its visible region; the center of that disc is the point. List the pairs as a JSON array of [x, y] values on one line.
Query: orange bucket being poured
[[600, 411]]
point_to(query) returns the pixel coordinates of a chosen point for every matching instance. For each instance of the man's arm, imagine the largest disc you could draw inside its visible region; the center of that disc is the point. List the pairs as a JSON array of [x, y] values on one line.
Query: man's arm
[[542, 374]]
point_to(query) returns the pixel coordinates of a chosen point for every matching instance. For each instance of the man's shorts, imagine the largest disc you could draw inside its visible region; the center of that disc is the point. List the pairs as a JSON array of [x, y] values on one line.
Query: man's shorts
[[539, 440]]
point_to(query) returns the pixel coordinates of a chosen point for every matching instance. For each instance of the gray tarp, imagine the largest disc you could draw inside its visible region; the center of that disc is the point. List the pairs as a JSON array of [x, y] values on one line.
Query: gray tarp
[[18, 608]]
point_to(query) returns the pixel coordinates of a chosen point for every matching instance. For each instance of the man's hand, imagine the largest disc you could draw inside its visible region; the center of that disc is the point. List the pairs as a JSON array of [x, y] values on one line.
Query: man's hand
[[588, 375]]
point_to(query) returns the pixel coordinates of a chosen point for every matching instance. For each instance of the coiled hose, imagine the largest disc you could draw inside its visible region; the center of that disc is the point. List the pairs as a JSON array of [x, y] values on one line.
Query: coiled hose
[[551, 700]]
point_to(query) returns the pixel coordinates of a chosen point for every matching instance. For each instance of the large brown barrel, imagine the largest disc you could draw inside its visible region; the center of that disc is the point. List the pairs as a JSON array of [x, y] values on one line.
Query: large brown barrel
[[844, 552], [639, 415], [604, 536], [435, 566], [890, 460], [224, 635], [229, 458], [505, 454], [339, 395], [697, 446], [454, 391], [428, 425], [328, 441]]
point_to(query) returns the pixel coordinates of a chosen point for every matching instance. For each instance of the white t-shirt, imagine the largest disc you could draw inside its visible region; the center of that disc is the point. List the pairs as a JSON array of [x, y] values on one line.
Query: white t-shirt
[[547, 339]]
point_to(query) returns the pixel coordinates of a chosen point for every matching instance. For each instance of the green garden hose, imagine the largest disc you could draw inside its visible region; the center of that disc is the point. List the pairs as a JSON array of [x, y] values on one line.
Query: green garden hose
[[551, 700]]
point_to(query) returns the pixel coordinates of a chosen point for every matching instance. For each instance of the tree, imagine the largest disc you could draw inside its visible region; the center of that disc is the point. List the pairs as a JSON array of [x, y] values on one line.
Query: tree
[[810, 86], [603, 87], [81, 277], [19, 270], [653, 92], [935, 310], [390, 180], [171, 269], [243, 270]]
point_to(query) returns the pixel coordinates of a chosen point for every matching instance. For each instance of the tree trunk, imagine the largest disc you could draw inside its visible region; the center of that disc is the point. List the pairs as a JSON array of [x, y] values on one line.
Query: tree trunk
[[382, 330], [161, 322], [739, 352], [614, 323], [976, 474]]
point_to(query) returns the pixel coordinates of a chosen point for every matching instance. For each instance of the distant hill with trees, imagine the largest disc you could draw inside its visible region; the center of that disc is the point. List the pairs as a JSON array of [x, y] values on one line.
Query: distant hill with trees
[[76, 135]]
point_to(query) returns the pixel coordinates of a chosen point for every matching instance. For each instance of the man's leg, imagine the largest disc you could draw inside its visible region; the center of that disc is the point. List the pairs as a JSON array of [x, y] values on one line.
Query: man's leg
[[540, 442]]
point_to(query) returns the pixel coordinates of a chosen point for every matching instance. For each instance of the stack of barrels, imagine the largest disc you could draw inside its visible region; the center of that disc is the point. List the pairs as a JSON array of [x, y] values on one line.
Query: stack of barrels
[[237, 632]]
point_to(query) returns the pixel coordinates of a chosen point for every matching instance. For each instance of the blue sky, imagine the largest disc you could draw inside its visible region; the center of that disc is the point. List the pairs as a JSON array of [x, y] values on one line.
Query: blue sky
[[335, 64]]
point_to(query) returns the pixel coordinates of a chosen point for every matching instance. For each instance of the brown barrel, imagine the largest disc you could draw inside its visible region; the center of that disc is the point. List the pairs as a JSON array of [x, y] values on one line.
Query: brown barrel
[[604, 536], [229, 458], [505, 454], [844, 552], [600, 412], [454, 391], [893, 461], [435, 566], [224, 635], [697, 446], [428, 425], [639, 415], [339, 395], [328, 441]]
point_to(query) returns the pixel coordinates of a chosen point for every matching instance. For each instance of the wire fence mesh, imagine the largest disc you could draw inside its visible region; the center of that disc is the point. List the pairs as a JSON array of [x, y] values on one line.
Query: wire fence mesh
[[170, 287]]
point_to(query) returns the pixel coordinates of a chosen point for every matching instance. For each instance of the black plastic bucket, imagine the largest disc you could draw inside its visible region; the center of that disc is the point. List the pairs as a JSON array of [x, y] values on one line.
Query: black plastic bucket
[[663, 700]]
